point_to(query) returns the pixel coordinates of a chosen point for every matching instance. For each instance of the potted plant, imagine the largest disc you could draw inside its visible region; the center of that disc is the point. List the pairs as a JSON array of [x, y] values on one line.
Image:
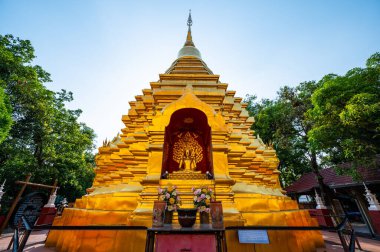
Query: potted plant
[[202, 198], [170, 195]]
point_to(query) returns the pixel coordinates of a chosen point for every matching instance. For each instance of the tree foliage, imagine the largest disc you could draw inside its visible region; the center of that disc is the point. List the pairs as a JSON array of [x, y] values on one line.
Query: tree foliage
[[335, 120], [46, 138], [282, 122], [346, 110], [5, 115]]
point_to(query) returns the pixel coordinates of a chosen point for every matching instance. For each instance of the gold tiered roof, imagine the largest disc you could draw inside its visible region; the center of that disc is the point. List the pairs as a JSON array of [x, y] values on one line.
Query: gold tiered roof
[[188, 65], [129, 168]]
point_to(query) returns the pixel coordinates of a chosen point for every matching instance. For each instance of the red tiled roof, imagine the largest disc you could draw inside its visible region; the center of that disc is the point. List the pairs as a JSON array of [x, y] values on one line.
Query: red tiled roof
[[305, 183], [308, 181]]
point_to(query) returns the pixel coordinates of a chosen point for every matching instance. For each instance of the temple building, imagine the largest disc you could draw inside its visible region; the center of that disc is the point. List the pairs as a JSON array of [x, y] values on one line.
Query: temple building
[[187, 130]]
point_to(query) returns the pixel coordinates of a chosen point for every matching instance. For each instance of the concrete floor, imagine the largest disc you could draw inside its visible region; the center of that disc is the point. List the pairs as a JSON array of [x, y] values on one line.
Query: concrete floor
[[332, 242]]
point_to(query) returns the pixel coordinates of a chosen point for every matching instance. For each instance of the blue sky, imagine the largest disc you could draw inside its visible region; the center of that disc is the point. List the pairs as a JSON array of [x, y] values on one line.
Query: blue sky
[[106, 52]]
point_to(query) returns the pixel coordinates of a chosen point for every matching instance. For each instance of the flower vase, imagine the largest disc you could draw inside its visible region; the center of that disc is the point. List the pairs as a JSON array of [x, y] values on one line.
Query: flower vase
[[168, 217], [216, 210], [204, 217], [158, 213]]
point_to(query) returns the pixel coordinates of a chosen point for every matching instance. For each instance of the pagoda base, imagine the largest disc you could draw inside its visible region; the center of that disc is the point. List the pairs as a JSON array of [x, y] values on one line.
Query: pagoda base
[[258, 210]]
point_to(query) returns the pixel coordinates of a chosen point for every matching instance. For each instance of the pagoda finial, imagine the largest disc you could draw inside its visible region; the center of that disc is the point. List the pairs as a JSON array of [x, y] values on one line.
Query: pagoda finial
[[189, 20], [189, 39]]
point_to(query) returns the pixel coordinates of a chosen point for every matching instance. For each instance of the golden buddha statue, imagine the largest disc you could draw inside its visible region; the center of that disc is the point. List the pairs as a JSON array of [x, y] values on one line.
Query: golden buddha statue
[[187, 162], [187, 151]]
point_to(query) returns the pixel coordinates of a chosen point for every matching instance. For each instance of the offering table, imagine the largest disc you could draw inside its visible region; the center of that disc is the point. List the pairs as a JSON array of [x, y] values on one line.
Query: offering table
[[173, 237]]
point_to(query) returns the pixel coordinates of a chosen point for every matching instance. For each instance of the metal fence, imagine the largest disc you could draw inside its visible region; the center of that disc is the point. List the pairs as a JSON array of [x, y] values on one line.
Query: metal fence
[[24, 229], [347, 236]]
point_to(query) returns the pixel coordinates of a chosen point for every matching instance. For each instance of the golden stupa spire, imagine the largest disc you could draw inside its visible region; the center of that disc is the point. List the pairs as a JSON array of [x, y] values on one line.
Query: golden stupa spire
[[151, 151], [189, 39]]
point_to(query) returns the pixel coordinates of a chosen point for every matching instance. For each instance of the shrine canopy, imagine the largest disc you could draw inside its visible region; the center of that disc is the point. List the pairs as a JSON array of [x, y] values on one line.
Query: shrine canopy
[[188, 128], [308, 182]]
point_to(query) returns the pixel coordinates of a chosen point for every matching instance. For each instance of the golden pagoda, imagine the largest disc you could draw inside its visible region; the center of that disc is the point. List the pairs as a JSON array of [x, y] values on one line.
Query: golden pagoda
[[187, 130]]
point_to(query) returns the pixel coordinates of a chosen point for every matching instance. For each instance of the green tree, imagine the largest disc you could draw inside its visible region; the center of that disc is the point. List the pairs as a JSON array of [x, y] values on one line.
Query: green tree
[[333, 121], [46, 138], [273, 126], [346, 110], [282, 122], [5, 115]]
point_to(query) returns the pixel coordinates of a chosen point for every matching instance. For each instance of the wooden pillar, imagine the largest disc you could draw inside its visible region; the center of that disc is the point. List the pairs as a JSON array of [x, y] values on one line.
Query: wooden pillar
[[10, 212]]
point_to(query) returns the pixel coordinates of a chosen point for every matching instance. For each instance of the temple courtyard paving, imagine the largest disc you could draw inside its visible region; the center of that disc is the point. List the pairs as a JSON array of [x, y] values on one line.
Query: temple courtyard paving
[[332, 242]]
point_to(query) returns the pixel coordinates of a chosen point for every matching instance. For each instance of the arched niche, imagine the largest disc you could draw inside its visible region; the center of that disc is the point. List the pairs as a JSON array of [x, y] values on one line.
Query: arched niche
[[187, 123], [188, 100]]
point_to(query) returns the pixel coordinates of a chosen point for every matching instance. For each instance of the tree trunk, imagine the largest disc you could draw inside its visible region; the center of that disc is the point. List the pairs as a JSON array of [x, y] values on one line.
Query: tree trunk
[[324, 191]]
